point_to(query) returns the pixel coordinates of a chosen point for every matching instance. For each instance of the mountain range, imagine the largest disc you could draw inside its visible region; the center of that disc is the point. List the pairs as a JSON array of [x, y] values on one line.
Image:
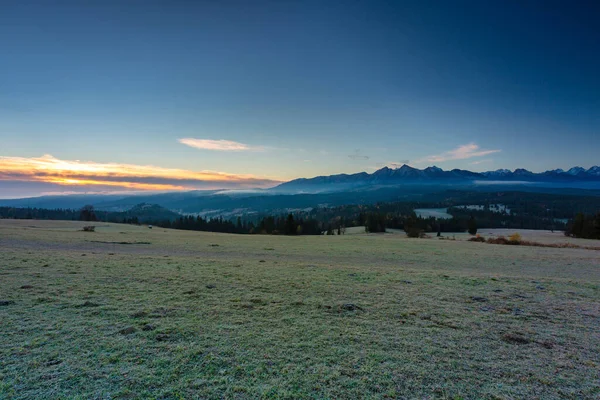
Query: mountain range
[[384, 185], [407, 174]]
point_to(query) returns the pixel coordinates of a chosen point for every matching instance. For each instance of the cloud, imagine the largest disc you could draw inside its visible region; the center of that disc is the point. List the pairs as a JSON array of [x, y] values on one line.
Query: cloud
[[219, 145], [481, 161], [358, 156], [463, 152], [114, 177]]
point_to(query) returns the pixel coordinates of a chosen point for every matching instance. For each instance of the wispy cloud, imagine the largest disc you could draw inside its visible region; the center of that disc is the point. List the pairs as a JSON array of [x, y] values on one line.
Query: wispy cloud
[[219, 145], [358, 156], [113, 176], [463, 152], [481, 161]]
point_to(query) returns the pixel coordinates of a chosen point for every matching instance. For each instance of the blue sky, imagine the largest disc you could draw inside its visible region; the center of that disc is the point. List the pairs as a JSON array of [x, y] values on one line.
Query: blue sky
[[305, 88]]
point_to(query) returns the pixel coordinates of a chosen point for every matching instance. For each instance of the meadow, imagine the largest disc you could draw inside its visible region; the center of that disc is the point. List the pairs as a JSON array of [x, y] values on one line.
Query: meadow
[[130, 312]]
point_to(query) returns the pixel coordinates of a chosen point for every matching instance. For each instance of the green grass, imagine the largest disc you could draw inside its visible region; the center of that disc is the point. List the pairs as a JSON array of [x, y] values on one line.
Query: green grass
[[197, 315]]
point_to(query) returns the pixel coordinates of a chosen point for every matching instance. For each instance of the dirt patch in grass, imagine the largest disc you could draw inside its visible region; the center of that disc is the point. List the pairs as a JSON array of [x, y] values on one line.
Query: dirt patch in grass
[[88, 303], [479, 299], [127, 331], [350, 307], [515, 338], [139, 314], [162, 312]]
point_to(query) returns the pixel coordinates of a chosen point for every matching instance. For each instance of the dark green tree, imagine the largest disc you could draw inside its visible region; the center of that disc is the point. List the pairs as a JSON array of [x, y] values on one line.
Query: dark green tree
[[87, 213], [290, 225], [375, 222], [472, 226]]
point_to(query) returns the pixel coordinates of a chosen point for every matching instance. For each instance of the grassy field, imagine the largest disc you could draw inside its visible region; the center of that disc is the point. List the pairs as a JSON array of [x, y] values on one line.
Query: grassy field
[[129, 312]]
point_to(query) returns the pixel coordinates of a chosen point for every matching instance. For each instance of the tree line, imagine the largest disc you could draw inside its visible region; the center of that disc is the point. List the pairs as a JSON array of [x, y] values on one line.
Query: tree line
[[268, 225], [532, 214], [272, 225]]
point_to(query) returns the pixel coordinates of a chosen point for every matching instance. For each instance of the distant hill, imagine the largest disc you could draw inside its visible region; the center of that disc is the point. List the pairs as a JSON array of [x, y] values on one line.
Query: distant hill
[[150, 212], [141, 213]]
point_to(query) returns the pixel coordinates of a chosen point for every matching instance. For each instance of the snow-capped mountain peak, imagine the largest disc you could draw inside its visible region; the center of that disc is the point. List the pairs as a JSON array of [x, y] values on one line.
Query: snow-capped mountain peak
[[575, 171]]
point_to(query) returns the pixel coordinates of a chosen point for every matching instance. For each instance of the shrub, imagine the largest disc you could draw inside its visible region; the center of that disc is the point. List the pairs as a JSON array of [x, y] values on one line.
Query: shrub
[[498, 240], [515, 237], [503, 240], [513, 241], [477, 239], [89, 228], [414, 232]]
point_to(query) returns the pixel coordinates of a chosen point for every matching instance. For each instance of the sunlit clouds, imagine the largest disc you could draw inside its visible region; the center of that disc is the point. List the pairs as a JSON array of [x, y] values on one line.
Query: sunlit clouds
[[50, 170], [463, 152], [219, 145]]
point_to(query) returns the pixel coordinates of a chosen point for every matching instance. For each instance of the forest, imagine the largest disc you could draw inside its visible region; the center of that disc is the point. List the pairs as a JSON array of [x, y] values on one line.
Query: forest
[[577, 215]]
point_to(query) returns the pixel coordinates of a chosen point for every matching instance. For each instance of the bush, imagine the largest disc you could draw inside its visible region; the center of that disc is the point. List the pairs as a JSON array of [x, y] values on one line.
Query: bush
[[477, 239], [414, 233], [503, 240], [89, 228], [498, 240], [515, 237]]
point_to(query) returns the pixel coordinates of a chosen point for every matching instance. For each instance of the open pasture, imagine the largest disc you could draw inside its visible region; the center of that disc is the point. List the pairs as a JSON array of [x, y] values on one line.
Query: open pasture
[[131, 312]]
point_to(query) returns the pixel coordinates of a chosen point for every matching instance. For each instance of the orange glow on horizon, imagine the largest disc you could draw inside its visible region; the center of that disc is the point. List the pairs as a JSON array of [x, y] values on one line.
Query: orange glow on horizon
[[128, 185], [48, 169]]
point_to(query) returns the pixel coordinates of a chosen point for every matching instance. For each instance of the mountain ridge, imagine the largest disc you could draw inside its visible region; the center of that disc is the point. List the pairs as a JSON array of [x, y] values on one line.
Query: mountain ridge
[[406, 173], [385, 184]]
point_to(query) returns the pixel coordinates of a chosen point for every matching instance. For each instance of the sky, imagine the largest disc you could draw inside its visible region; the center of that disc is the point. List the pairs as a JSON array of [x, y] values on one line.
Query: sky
[[118, 96]]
